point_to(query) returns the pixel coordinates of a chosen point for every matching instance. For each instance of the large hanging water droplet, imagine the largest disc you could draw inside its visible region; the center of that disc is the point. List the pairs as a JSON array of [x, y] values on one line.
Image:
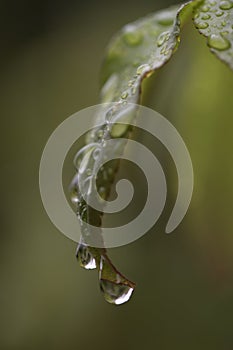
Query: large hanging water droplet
[[218, 42], [85, 258], [115, 293], [225, 5]]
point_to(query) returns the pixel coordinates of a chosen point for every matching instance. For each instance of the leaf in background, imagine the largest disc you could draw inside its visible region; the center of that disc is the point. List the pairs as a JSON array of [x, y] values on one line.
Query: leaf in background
[[214, 19]]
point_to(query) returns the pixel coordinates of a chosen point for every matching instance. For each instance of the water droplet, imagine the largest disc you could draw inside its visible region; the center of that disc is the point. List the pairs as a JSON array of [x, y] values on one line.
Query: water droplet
[[205, 8], [219, 13], [124, 95], [162, 38], [206, 16], [225, 5], [132, 36], [202, 25], [85, 257], [131, 82], [218, 42], [143, 69], [224, 23], [115, 293]]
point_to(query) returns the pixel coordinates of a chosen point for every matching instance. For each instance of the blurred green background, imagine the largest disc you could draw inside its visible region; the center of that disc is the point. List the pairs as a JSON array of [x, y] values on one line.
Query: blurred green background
[[50, 61]]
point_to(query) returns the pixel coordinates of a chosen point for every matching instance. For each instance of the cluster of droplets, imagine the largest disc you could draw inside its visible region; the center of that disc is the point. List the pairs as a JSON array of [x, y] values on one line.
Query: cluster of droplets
[[115, 287], [212, 19]]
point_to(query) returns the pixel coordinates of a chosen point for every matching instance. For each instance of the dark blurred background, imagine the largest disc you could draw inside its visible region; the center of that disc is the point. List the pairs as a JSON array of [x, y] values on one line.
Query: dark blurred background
[[51, 53]]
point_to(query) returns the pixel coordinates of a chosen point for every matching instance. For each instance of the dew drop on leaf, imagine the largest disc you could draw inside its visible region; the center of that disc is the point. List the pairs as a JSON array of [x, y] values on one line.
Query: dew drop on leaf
[[115, 293], [225, 5], [202, 25], [219, 13], [162, 38], [218, 42]]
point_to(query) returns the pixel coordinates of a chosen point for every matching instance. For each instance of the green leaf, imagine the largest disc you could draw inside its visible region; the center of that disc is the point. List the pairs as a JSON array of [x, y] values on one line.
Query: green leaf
[[214, 20], [139, 49]]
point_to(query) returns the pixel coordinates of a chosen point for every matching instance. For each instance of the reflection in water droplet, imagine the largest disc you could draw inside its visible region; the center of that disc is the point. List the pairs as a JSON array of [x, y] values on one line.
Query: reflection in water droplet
[[85, 258], [162, 38], [115, 293], [202, 25], [218, 42], [225, 5]]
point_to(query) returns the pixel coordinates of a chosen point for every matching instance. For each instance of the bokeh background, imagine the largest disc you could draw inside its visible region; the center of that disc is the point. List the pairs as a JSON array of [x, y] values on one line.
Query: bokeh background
[[51, 53]]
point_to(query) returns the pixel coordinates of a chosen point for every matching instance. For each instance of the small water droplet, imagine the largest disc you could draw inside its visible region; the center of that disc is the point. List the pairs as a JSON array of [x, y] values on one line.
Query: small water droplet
[[224, 23], [205, 8], [202, 25], [162, 38], [131, 82], [124, 95], [225, 5], [219, 13], [85, 257], [132, 36], [205, 16], [218, 42], [143, 69]]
